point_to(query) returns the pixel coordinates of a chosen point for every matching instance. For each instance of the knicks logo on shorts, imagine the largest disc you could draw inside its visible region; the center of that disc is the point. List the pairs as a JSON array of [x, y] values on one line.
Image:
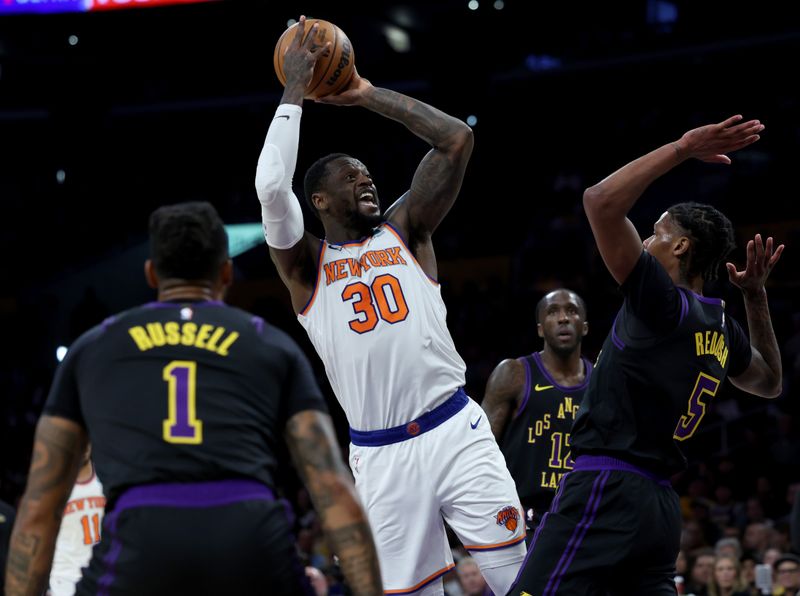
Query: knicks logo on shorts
[[508, 517]]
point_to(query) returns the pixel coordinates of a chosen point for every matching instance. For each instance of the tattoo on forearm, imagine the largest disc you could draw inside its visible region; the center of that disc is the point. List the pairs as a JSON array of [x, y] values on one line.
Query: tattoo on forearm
[[432, 125], [762, 335], [353, 545]]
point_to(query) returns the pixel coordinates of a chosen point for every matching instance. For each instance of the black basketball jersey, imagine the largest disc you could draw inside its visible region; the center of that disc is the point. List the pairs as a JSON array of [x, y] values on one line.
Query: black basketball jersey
[[183, 392], [536, 443], [666, 356]]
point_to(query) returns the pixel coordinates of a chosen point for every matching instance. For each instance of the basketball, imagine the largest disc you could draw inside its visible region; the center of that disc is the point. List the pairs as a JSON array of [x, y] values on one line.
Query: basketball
[[333, 70]]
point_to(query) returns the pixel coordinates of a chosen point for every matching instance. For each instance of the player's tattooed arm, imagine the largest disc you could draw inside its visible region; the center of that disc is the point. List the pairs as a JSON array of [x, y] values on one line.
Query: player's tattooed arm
[[57, 451], [764, 376], [315, 451], [438, 178], [503, 394]]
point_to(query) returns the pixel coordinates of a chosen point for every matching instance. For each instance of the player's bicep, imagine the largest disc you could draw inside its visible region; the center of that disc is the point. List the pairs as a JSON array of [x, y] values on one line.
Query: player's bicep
[[503, 392], [617, 241], [57, 450]]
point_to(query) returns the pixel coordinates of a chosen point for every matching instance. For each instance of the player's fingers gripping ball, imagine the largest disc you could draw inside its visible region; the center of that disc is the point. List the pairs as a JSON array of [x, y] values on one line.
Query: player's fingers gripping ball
[[333, 70]]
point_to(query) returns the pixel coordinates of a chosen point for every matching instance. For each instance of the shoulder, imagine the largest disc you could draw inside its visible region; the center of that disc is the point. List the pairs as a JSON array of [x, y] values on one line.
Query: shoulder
[[511, 373]]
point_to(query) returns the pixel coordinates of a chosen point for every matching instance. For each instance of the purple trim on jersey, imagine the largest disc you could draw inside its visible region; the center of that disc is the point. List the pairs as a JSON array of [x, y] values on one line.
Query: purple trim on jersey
[[428, 421], [527, 387], [258, 323], [193, 494], [589, 515], [108, 322], [157, 304], [684, 305], [614, 337], [587, 368], [405, 244], [110, 560], [597, 463], [707, 300]]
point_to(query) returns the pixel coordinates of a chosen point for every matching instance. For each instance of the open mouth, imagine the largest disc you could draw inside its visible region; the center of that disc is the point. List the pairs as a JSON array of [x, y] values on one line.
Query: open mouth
[[367, 197]]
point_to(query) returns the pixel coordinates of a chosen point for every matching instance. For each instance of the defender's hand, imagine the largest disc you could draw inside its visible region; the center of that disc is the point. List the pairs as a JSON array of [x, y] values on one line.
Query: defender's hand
[[710, 143], [760, 261]]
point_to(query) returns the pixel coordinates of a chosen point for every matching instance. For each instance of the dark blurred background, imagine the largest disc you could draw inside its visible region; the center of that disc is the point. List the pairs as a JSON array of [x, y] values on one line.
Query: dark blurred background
[[105, 116]]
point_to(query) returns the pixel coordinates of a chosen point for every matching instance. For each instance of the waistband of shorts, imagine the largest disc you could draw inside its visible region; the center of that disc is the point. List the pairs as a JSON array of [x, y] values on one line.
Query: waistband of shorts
[[428, 421], [193, 494], [596, 463]]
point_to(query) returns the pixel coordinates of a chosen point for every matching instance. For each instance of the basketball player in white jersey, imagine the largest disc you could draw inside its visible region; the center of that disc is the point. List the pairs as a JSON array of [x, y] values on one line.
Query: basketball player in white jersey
[[80, 530], [367, 295]]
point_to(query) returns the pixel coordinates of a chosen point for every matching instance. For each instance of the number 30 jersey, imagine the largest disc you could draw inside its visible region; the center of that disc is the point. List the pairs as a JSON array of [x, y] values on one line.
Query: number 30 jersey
[[378, 323], [183, 392], [663, 362]]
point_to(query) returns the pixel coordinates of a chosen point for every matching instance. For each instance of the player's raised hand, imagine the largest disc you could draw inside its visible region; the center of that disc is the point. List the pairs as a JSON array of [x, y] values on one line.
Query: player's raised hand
[[760, 261], [351, 94], [710, 143], [301, 56]]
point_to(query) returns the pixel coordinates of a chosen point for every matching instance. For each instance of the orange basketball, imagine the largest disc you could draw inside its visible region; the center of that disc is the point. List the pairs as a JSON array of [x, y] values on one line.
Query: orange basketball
[[333, 70]]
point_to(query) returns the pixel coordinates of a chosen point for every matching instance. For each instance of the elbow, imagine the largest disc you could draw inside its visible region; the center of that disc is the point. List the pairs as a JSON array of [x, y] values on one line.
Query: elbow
[[774, 390], [269, 173], [595, 200], [460, 141]]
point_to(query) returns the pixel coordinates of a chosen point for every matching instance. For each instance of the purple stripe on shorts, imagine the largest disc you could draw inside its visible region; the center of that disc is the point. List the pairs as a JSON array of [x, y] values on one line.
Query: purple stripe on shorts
[[614, 338], [104, 584], [527, 387], [193, 494], [597, 463], [553, 507], [589, 514]]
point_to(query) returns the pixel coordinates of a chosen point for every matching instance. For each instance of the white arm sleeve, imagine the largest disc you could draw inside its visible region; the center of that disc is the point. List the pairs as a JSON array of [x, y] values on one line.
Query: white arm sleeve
[[281, 214]]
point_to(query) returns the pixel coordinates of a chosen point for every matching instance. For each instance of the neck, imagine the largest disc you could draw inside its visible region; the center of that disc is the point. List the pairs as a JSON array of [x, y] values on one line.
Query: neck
[[86, 471], [337, 232], [175, 290], [566, 369]]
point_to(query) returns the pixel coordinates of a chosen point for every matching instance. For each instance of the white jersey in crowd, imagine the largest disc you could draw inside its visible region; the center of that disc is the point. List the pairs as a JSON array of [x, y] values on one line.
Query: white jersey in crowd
[[378, 323], [79, 532]]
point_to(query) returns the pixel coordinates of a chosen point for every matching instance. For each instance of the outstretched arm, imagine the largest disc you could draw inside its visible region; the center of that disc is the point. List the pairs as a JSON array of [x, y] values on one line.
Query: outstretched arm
[[764, 376], [292, 249], [313, 445], [57, 450], [437, 180], [503, 394], [608, 202]]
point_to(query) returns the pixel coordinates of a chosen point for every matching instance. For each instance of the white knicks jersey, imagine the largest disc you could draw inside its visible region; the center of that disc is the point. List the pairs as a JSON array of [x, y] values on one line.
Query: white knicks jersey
[[79, 532], [378, 323]]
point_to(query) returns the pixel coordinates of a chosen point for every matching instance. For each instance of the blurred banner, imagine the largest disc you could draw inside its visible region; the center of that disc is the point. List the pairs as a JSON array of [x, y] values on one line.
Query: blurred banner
[[51, 6]]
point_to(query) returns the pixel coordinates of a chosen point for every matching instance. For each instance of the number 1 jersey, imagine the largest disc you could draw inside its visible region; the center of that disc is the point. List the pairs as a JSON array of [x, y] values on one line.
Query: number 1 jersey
[[183, 392], [378, 323]]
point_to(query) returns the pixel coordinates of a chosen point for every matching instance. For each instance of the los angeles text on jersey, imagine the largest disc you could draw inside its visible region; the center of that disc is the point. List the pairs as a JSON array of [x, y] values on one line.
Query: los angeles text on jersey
[[711, 343], [560, 461], [349, 267], [205, 337]]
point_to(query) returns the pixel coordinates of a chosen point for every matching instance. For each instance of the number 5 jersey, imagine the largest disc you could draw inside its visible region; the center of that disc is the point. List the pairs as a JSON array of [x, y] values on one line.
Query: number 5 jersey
[[663, 362]]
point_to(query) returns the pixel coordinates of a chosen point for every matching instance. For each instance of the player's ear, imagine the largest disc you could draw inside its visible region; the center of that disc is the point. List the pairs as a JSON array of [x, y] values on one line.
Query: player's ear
[[681, 246], [539, 330], [320, 201], [150, 274], [585, 328]]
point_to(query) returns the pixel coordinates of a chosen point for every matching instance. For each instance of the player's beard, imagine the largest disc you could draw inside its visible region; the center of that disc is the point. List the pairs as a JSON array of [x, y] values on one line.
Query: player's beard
[[364, 222]]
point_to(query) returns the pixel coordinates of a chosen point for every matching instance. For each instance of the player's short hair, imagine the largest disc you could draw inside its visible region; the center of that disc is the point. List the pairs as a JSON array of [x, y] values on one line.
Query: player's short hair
[[315, 175], [711, 234], [188, 241], [543, 301]]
